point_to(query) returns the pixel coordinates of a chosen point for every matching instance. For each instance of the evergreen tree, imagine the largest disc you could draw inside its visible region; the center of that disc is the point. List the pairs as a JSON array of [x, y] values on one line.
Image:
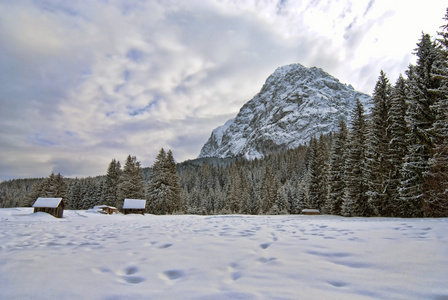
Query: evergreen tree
[[234, 191], [337, 170], [163, 192], [74, 195], [111, 184], [435, 188], [88, 191], [378, 148], [356, 202], [397, 130], [52, 186], [319, 174], [420, 118], [174, 188], [268, 191], [313, 173], [131, 180]]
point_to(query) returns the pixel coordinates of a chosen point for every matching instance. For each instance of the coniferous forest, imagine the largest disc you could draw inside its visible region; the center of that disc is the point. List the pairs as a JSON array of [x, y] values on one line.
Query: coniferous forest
[[390, 162]]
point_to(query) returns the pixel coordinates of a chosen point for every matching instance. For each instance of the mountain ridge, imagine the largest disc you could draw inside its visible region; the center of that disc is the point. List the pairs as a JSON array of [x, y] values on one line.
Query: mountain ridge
[[294, 104]]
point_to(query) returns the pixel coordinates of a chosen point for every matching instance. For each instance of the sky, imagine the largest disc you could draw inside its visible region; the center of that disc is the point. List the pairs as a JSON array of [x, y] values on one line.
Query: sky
[[85, 82]]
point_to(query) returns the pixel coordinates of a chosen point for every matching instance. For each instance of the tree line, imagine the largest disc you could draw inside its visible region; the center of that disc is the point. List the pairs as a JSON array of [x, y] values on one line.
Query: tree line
[[390, 162]]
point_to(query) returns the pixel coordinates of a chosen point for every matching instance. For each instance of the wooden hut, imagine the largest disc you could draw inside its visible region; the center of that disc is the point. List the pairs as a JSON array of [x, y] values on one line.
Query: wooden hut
[[105, 209], [310, 211], [134, 206], [52, 206]]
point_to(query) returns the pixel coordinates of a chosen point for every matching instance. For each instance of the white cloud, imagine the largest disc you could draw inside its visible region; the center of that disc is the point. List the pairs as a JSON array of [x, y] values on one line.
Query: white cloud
[[88, 81]]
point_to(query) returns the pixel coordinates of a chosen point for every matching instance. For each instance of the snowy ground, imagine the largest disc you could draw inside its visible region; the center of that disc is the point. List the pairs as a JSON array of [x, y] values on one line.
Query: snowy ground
[[87, 255]]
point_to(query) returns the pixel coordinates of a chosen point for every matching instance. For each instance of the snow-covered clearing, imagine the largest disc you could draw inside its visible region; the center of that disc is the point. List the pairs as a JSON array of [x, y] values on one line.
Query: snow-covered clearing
[[87, 255]]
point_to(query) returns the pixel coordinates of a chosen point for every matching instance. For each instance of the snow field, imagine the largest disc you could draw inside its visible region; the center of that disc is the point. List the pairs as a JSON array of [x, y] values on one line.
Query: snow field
[[87, 255]]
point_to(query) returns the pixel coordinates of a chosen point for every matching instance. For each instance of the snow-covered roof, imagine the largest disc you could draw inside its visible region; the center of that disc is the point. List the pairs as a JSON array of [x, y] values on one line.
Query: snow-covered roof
[[310, 210], [47, 202], [134, 204], [103, 206]]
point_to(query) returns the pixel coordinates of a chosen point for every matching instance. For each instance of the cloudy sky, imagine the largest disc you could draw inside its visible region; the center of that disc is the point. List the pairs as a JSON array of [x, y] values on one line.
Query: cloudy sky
[[83, 82]]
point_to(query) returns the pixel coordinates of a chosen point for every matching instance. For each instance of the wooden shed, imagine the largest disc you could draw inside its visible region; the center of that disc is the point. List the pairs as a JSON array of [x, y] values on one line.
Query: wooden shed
[[52, 206], [134, 206], [104, 209], [310, 211]]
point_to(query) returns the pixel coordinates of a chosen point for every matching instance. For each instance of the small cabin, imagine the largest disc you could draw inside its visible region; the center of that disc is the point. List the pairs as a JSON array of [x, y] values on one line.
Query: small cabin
[[52, 206], [104, 209], [134, 206], [310, 211]]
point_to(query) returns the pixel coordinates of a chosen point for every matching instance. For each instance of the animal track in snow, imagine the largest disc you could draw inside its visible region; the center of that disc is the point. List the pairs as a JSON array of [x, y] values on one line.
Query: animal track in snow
[[173, 274], [265, 260], [128, 274], [265, 245], [130, 270], [134, 279], [338, 284]]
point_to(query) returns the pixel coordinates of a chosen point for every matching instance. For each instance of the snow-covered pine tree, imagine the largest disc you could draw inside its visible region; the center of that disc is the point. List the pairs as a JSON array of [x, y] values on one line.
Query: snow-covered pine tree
[[397, 130], [245, 192], [131, 180], [356, 202], [89, 189], [313, 173], [319, 173], [233, 204], [323, 156], [157, 192], [174, 188], [435, 188], [163, 192], [51, 186], [60, 187], [111, 184], [74, 195], [268, 191], [338, 159], [420, 118], [378, 145]]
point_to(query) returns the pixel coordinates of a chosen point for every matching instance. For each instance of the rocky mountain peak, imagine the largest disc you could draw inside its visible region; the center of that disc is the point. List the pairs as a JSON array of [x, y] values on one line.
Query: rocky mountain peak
[[295, 104]]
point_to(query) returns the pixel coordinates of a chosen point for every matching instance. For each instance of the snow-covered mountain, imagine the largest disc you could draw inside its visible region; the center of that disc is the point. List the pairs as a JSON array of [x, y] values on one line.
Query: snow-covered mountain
[[295, 104]]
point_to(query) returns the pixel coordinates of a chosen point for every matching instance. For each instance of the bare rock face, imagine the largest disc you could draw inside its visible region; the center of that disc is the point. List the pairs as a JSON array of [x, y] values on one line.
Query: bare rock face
[[295, 104]]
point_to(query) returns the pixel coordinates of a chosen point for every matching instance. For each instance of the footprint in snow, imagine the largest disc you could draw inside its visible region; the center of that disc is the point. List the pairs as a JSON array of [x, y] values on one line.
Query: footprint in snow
[[127, 274], [337, 283], [173, 274], [130, 270], [265, 245], [134, 279], [265, 260]]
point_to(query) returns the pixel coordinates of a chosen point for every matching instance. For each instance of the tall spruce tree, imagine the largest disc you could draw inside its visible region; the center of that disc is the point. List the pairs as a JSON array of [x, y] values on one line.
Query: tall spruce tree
[[111, 184], [268, 191], [163, 192], [131, 180], [313, 174], [319, 173], [338, 159], [435, 188], [378, 164], [233, 204], [420, 118], [397, 130], [174, 188], [356, 202]]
